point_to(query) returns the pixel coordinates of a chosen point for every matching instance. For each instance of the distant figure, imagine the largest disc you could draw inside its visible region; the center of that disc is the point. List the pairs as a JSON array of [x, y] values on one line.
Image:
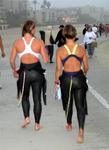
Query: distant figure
[[85, 29], [60, 37], [101, 29], [83, 32], [89, 38], [42, 34], [49, 42], [106, 29], [2, 52], [30, 73], [72, 80]]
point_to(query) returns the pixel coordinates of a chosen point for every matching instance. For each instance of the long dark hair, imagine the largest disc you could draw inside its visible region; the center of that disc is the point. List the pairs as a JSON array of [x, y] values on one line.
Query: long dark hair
[[28, 27]]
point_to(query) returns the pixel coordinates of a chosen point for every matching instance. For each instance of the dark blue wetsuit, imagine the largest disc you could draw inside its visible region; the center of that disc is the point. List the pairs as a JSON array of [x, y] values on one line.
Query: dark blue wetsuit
[[73, 85]]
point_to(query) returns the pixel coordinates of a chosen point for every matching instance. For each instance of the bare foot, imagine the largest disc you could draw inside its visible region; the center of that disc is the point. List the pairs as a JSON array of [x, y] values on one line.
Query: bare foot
[[68, 127], [80, 139], [26, 122], [37, 126]]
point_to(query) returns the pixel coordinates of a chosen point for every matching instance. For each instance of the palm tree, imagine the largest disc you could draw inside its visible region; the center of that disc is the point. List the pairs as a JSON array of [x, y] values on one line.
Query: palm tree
[[48, 4]]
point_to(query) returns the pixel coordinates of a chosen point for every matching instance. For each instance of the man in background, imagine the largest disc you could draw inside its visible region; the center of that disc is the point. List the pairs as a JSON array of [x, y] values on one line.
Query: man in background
[[60, 37]]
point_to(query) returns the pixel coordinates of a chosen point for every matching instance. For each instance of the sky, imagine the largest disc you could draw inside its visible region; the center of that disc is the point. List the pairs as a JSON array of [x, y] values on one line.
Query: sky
[[71, 3]]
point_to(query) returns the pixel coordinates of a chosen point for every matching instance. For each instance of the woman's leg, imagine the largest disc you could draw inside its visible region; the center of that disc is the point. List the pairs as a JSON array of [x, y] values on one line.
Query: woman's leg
[[70, 110], [36, 90], [26, 105], [79, 96], [67, 100]]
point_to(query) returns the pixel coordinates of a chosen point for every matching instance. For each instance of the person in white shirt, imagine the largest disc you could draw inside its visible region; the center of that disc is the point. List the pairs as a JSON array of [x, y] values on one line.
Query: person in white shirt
[[90, 37], [48, 45]]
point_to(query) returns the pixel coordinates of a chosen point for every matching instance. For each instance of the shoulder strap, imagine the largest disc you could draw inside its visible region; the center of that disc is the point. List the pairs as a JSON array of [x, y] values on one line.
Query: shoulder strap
[[31, 41], [74, 49], [68, 50], [24, 41]]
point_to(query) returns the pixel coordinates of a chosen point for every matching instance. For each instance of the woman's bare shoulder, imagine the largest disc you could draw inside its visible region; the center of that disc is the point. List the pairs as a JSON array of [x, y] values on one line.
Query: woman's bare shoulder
[[81, 48], [37, 40], [17, 41], [61, 49]]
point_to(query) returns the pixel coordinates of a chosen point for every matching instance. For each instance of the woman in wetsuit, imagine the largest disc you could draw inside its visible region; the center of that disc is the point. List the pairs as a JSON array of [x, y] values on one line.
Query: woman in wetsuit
[[30, 73], [72, 80]]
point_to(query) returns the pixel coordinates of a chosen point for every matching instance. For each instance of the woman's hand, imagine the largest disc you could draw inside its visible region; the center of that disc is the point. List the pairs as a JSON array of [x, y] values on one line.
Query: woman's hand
[[15, 74], [56, 84]]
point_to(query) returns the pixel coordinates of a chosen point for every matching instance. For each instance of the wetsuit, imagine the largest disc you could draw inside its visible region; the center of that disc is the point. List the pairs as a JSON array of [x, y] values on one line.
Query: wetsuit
[[31, 75], [73, 85]]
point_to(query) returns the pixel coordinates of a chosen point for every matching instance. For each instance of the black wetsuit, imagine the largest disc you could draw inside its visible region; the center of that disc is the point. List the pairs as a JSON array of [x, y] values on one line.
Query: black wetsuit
[[35, 79], [73, 86]]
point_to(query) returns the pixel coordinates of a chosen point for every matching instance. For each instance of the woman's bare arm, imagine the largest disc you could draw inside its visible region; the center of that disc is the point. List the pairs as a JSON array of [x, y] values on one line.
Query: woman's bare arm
[[58, 70], [2, 47], [85, 62], [13, 57], [44, 52]]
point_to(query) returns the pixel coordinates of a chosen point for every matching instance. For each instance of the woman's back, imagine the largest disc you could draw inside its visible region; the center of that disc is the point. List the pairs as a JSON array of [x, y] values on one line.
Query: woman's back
[[35, 46], [71, 63]]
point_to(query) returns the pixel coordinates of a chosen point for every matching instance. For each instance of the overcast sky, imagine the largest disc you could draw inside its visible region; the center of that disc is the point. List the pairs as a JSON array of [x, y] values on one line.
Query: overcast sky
[[71, 3]]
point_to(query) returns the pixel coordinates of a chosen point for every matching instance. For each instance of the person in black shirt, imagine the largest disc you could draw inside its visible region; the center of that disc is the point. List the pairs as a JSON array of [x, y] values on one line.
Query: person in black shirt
[[85, 29], [42, 35], [60, 37]]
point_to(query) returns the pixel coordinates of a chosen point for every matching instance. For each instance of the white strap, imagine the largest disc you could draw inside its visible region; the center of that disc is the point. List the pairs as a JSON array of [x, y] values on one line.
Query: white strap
[[29, 42], [24, 42], [68, 50]]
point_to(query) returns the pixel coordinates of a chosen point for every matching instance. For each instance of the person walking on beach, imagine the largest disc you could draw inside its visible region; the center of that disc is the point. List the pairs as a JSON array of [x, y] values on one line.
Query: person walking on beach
[[89, 38], [2, 52], [83, 32], [60, 37], [72, 80], [49, 42], [42, 35], [30, 73]]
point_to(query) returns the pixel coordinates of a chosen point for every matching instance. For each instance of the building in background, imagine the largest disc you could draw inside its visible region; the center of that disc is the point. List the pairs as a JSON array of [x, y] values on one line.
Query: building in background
[[3, 22], [96, 12], [43, 14], [16, 6]]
